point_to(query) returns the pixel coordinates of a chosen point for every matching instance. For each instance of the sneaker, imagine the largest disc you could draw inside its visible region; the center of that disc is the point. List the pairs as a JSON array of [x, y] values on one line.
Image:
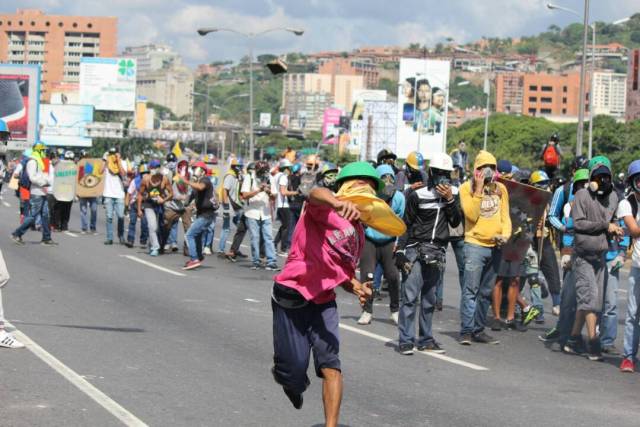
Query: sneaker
[[496, 325], [121, 241], [595, 355], [174, 247], [83, 232], [129, 244], [94, 232], [17, 239], [143, 245], [438, 306], [272, 267], [49, 243], [530, 314], [231, 257], [555, 310], [108, 242], [256, 267], [207, 251], [394, 317], [485, 338], [515, 326], [465, 339], [611, 350], [365, 318], [296, 399], [9, 341], [574, 345], [627, 365], [191, 264], [406, 349], [166, 247], [283, 254], [241, 255], [154, 252], [539, 319], [221, 255], [431, 347], [551, 335]]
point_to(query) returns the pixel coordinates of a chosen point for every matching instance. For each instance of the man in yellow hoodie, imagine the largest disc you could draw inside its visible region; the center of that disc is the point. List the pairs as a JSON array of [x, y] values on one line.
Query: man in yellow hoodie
[[485, 204]]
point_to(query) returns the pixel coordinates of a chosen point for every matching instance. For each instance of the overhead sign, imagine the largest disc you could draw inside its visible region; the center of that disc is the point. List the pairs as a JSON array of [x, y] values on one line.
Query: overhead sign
[[65, 125], [108, 83], [422, 106], [19, 103]]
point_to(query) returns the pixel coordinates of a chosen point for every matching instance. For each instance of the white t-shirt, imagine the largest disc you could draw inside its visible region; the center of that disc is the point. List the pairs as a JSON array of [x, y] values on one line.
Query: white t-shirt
[[624, 209], [258, 207], [281, 201], [112, 186]]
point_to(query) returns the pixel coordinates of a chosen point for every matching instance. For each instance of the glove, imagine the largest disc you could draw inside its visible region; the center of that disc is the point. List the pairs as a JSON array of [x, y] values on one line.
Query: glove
[[617, 263], [565, 262], [401, 260]]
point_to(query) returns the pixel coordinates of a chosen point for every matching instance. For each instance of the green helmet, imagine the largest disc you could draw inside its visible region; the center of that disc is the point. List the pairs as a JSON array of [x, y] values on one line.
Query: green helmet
[[598, 161], [581, 175], [360, 170]]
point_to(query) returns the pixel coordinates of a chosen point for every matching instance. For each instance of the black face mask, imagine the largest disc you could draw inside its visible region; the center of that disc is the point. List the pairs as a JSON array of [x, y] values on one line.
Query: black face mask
[[439, 178], [413, 175], [389, 188]]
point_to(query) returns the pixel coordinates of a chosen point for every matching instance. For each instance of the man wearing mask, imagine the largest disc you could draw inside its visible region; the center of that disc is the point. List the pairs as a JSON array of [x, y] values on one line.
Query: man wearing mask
[[386, 157], [593, 215], [485, 204], [460, 159], [282, 206], [256, 191], [178, 207], [421, 253], [113, 194], [155, 191], [230, 198], [206, 206], [378, 249], [39, 182], [88, 209], [413, 176]]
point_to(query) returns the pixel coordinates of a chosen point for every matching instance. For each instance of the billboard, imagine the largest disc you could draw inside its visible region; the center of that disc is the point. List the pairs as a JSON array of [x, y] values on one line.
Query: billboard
[[422, 106], [108, 83], [358, 125], [65, 125], [265, 120], [65, 93], [331, 125], [19, 103]]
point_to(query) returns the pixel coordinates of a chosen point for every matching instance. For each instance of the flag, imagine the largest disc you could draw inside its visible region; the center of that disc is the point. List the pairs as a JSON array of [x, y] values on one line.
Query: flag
[[177, 149]]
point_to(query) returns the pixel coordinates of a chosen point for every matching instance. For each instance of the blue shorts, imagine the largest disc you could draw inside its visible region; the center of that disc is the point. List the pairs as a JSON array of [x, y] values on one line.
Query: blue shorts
[[298, 331]]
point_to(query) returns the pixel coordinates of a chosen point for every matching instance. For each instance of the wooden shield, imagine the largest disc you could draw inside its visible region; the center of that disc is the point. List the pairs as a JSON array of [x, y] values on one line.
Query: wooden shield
[[64, 184], [90, 178]]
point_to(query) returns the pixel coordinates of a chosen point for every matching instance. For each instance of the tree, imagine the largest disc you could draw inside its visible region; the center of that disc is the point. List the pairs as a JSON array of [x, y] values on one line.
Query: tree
[[266, 58], [389, 85], [635, 37]]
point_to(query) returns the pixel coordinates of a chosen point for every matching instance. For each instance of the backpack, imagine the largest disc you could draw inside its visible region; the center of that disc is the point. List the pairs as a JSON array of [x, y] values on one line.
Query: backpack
[[307, 182], [550, 156], [295, 202], [24, 180]]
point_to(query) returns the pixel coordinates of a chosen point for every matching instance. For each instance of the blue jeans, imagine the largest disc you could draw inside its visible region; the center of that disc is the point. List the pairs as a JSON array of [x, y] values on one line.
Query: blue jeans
[[144, 228], [480, 272], [173, 234], [458, 251], [609, 318], [377, 277], [632, 321], [207, 242], [256, 228], [421, 285], [38, 206], [112, 204], [567, 306], [194, 235], [226, 228], [86, 204]]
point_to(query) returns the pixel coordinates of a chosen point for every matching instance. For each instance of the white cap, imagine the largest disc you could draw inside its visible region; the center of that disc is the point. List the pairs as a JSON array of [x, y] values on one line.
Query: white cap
[[441, 161]]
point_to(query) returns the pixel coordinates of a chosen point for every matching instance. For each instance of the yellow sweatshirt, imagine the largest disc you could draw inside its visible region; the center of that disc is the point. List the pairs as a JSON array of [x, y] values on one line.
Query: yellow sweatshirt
[[487, 215]]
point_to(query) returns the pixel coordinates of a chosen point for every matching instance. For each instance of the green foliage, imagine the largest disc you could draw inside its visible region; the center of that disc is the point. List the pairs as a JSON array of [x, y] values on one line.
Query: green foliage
[[467, 96], [389, 85]]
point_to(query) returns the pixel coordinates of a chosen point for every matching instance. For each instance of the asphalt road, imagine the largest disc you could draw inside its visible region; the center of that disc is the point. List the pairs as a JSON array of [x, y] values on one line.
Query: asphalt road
[[170, 348]]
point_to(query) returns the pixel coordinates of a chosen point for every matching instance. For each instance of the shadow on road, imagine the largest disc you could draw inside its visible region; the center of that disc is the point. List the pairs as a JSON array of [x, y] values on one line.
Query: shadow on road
[[93, 328]]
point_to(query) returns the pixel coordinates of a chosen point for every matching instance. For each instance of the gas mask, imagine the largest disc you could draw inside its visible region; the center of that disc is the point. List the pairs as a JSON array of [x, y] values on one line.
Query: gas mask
[[601, 185], [329, 180], [488, 174], [171, 166], [198, 173], [439, 177], [389, 188], [413, 175], [154, 171]]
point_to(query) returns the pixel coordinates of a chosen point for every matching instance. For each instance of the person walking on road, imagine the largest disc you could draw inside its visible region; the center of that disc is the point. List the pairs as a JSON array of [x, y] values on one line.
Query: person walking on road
[[282, 206], [155, 191], [325, 249], [131, 200], [230, 199], [88, 209], [178, 208], [113, 194]]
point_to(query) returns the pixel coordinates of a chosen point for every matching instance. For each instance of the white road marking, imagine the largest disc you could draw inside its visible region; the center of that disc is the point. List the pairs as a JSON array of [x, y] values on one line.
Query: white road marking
[[68, 233], [152, 265], [251, 300], [113, 407], [436, 356], [6, 204]]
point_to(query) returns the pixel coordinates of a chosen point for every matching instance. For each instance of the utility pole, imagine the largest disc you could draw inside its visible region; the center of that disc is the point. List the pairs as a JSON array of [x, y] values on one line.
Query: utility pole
[[583, 69]]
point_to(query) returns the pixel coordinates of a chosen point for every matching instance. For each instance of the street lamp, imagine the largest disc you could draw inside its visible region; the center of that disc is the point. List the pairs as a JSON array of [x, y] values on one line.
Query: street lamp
[[580, 135], [487, 90], [250, 36]]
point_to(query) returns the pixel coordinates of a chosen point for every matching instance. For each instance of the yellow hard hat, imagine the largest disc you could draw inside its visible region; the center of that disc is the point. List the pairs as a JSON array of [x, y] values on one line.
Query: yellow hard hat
[[415, 160]]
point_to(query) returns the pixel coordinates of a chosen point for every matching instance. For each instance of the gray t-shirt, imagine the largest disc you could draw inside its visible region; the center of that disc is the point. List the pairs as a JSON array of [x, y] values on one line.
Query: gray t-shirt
[[591, 217], [232, 185]]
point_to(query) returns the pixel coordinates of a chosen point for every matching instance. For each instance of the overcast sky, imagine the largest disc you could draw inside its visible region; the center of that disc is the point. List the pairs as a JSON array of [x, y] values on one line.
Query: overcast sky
[[329, 24]]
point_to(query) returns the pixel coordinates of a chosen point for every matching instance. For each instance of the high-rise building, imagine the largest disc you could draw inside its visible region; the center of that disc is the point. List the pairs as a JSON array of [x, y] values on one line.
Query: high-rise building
[[352, 67], [609, 93], [162, 78], [56, 43], [633, 86], [509, 89]]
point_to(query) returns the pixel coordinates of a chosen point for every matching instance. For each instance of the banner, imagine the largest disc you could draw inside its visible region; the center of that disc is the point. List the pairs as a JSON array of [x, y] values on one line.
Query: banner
[[19, 103], [90, 178], [331, 125], [526, 206], [64, 184], [108, 83], [265, 120], [65, 125], [422, 106], [358, 125]]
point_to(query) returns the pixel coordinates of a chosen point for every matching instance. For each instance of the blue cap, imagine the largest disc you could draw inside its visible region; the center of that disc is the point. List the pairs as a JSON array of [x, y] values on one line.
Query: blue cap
[[385, 170], [155, 163], [505, 166]]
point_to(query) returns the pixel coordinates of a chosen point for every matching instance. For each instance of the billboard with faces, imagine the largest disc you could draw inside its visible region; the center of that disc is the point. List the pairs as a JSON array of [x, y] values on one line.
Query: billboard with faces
[[422, 106]]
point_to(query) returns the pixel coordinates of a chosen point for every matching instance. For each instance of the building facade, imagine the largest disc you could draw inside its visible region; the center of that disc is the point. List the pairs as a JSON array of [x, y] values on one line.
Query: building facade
[[152, 57], [56, 43], [352, 67], [632, 111], [609, 94], [340, 87]]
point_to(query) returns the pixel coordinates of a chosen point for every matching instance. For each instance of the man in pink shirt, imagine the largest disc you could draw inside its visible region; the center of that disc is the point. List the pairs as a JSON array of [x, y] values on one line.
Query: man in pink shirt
[[325, 250]]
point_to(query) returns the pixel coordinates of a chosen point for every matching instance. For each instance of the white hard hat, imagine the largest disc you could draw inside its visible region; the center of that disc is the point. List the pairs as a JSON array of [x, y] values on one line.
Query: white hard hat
[[441, 161], [285, 163], [69, 155]]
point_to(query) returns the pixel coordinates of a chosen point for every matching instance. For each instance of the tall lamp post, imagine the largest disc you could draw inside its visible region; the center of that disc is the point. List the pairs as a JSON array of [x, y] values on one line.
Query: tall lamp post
[[585, 17], [250, 37]]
